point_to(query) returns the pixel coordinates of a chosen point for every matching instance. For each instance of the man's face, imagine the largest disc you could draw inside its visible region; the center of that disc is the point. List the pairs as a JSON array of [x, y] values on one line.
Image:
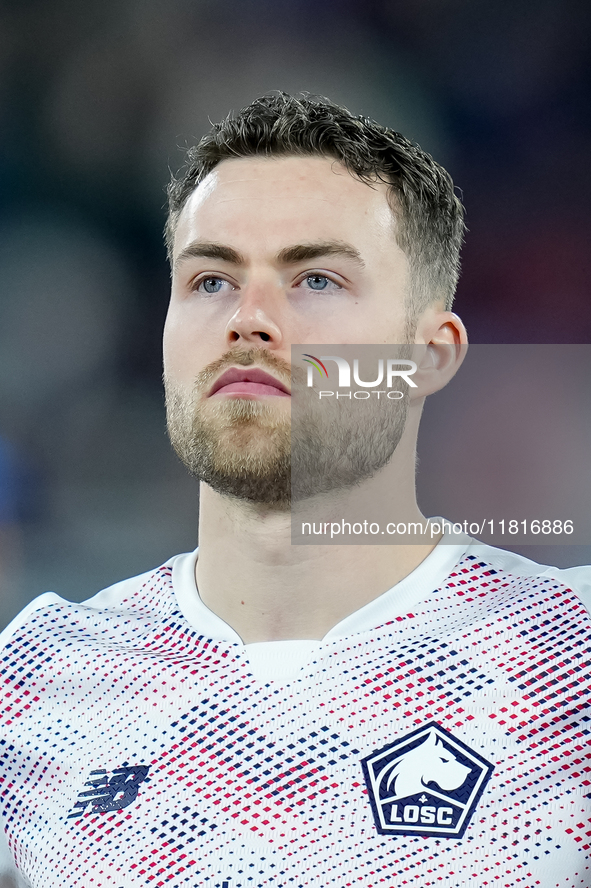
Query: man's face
[[270, 252]]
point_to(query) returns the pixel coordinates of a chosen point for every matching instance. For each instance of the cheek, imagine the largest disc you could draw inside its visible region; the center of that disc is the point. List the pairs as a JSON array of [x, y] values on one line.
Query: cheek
[[182, 349]]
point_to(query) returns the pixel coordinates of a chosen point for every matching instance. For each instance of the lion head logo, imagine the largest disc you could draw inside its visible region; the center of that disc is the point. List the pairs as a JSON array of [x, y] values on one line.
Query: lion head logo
[[429, 762]]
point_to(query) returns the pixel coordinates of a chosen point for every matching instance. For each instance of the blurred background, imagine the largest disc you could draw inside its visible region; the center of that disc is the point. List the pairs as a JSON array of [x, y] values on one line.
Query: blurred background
[[97, 101]]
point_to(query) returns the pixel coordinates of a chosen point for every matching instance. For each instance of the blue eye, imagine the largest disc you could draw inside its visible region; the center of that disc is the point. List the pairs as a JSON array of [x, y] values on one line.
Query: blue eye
[[318, 282], [211, 284]]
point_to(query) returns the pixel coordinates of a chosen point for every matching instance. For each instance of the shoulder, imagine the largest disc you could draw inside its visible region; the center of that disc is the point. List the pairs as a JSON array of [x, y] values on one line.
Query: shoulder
[[132, 597], [520, 568]]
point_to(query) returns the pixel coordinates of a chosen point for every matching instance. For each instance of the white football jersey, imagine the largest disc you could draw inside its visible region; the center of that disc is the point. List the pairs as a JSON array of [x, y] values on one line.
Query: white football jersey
[[437, 737]]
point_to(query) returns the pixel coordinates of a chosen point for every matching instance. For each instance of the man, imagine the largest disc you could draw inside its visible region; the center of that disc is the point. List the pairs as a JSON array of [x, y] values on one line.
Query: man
[[304, 715]]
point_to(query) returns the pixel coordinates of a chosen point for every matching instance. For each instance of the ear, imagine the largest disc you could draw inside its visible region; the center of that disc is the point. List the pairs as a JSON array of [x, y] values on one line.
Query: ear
[[440, 347]]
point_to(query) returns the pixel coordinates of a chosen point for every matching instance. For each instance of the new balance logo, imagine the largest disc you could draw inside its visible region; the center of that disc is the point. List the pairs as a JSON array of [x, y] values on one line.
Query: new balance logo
[[110, 793], [426, 783]]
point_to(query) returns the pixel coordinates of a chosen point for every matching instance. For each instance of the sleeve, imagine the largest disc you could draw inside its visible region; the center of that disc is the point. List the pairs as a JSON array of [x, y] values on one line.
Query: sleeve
[[578, 579], [38, 603], [9, 875]]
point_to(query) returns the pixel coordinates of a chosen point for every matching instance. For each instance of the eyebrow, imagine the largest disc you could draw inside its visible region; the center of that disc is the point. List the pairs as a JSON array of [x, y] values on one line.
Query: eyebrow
[[287, 256], [306, 252], [204, 250]]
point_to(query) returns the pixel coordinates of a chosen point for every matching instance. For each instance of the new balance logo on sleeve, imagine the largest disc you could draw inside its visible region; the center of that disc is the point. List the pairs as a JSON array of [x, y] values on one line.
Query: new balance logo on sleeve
[[110, 793], [440, 737]]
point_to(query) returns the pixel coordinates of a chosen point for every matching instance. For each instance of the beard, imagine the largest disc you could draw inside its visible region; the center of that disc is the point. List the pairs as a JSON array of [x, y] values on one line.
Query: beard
[[239, 446], [256, 452]]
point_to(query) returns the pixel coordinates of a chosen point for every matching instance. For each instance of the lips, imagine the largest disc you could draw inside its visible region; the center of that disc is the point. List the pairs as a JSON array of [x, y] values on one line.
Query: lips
[[248, 382]]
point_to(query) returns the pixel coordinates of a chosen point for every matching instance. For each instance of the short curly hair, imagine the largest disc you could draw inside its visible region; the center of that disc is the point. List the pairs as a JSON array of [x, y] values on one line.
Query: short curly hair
[[430, 215]]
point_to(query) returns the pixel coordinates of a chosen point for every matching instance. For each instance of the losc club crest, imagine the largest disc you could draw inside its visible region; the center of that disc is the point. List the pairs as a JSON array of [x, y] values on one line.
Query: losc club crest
[[426, 783]]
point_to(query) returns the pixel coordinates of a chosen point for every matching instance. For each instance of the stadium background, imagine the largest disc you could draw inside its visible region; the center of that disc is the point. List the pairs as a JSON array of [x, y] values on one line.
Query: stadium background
[[95, 100]]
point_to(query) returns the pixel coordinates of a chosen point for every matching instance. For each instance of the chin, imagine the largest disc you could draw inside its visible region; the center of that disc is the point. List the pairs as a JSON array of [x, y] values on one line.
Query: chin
[[251, 479]]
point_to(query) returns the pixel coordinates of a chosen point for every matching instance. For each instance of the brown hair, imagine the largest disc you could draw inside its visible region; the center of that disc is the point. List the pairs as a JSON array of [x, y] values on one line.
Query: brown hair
[[431, 216]]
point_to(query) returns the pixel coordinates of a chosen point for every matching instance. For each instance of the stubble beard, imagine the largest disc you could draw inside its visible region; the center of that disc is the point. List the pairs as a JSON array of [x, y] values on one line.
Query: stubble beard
[[256, 452]]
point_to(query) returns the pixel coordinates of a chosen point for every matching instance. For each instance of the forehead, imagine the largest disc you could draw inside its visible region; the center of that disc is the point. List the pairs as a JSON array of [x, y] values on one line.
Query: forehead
[[269, 202]]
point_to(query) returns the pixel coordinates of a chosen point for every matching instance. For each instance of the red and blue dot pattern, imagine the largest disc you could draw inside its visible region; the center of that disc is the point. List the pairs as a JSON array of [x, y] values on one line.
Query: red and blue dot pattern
[[260, 784]]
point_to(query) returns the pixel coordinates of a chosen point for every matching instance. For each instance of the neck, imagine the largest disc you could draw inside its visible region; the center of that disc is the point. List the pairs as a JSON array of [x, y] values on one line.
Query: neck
[[266, 589]]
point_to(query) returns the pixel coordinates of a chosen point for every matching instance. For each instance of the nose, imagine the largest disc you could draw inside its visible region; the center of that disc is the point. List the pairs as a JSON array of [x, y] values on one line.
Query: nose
[[252, 323]]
